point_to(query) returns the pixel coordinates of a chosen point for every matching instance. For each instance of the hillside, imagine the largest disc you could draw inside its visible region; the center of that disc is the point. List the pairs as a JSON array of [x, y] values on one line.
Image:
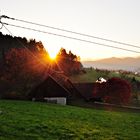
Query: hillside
[[91, 75], [128, 64], [22, 120]]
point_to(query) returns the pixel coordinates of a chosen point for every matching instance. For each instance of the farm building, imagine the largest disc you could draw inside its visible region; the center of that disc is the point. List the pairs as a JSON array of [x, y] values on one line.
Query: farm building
[[90, 91], [48, 90], [55, 90]]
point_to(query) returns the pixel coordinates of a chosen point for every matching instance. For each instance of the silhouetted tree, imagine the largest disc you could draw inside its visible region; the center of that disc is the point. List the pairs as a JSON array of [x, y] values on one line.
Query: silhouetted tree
[[69, 62]]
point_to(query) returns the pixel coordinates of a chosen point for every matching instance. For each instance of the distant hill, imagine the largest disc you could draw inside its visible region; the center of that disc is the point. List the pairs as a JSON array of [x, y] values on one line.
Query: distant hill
[[128, 64]]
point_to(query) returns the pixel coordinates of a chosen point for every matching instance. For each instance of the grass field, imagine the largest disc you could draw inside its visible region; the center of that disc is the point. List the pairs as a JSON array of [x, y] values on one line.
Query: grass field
[[89, 76], [92, 75], [24, 120]]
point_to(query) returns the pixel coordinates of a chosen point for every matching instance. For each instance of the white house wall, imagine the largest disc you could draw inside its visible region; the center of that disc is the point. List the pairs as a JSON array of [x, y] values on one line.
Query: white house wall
[[58, 100]]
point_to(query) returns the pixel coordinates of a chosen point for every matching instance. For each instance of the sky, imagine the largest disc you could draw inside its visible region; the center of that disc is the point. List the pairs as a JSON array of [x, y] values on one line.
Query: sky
[[112, 19]]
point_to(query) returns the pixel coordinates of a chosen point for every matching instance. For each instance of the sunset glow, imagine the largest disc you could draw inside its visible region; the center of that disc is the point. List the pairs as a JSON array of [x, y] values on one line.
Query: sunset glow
[[114, 20], [52, 55]]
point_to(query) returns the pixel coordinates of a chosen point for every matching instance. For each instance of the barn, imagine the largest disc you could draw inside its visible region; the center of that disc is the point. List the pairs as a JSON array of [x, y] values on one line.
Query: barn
[[50, 91]]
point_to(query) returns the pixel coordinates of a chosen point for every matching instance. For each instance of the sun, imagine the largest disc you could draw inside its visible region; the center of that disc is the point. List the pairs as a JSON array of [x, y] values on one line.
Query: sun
[[52, 51], [52, 55]]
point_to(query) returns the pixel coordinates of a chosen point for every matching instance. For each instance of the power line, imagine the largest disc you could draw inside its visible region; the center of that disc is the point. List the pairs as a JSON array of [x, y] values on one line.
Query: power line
[[74, 38], [69, 31]]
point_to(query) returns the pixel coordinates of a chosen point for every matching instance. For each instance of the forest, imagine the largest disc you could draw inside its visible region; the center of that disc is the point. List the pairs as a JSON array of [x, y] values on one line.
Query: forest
[[24, 63]]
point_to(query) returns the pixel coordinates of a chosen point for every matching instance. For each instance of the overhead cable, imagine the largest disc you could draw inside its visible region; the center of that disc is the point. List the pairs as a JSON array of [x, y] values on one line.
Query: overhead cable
[[69, 31], [74, 38]]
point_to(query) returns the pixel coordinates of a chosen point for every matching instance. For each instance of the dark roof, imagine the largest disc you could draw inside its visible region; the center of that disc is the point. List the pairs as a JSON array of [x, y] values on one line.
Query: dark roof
[[49, 88], [65, 82], [87, 90]]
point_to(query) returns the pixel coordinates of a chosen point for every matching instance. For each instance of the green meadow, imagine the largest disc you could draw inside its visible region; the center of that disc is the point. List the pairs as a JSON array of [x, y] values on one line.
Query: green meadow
[[25, 120], [92, 75]]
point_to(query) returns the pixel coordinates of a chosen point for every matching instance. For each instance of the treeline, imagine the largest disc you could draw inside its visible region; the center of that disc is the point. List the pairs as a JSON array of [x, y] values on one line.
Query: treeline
[[8, 42], [69, 62], [17, 47], [24, 63]]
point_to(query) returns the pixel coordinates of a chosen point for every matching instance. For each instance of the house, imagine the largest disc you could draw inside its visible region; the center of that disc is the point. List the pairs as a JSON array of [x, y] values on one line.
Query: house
[[51, 91], [100, 80]]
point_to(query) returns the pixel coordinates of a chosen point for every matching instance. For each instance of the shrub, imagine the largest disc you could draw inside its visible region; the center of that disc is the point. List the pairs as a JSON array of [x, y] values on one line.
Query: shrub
[[117, 91]]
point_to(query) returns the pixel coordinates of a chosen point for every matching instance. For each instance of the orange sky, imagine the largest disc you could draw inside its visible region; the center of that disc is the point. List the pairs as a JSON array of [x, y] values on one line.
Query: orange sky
[[113, 19]]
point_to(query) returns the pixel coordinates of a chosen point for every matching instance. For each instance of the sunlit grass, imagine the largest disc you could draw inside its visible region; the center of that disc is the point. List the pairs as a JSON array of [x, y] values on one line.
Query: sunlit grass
[[20, 120]]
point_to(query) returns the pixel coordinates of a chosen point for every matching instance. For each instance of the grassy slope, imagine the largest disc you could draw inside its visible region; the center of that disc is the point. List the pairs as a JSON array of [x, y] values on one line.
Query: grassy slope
[[37, 121], [89, 76], [93, 75]]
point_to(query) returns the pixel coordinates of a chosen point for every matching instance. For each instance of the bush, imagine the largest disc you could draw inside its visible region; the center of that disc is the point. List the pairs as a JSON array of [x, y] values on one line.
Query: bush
[[117, 91]]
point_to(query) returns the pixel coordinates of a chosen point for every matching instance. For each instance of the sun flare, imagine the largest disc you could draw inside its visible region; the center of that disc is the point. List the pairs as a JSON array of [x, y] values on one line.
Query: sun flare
[[53, 51], [52, 55]]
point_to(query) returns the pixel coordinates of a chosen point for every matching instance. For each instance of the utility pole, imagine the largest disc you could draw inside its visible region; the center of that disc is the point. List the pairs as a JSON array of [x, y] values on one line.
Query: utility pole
[[1, 44]]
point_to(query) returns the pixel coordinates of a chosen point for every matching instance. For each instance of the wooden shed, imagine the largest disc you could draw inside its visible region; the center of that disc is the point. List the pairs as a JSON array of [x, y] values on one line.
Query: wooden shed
[[48, 90]]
